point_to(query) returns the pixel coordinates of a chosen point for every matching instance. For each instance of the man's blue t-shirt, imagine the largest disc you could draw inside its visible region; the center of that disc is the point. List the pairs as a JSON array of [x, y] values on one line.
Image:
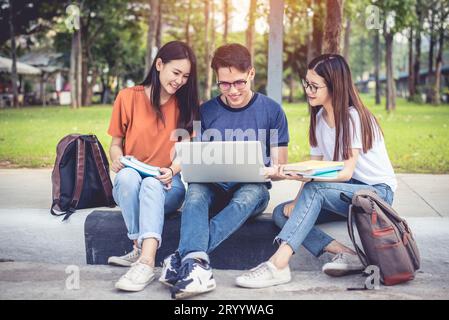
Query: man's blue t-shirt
[[262, 117]]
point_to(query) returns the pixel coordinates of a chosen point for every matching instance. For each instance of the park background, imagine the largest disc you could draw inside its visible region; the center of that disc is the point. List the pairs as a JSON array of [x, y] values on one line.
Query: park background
[[63, 62]]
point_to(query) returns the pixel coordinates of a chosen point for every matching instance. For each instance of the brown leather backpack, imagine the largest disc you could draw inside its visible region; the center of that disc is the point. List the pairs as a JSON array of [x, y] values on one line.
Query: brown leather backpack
[[386, 238], [80, 176]]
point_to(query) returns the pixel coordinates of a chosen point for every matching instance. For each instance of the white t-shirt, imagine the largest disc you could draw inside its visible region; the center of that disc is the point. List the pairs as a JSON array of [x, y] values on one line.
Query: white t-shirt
[[372, 167]]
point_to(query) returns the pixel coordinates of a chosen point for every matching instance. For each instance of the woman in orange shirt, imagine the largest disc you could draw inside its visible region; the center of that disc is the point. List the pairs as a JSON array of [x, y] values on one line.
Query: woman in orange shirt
[[143, 119]]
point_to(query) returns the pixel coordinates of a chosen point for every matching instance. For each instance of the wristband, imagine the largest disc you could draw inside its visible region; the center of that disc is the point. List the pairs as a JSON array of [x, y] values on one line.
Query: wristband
[[172, 173]]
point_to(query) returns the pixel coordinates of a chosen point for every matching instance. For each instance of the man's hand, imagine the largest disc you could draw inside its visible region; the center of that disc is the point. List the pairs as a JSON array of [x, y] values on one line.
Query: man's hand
[[274, 173], [270, 171], [166, 177]]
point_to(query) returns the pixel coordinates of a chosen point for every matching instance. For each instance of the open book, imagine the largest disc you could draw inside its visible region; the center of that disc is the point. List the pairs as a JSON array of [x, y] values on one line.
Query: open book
[[323, 170], [141, 167]]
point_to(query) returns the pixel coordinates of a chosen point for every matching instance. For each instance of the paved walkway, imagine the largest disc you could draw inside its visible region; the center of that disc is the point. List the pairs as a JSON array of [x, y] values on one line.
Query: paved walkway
[[43, 250]]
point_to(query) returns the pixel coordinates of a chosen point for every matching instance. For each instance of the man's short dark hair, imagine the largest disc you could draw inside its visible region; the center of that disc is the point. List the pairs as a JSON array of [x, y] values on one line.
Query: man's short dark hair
[[232, 55]]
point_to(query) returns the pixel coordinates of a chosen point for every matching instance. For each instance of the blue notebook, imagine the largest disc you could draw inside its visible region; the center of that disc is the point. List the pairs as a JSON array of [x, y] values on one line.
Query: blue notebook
[[144, 169], [325, 175]]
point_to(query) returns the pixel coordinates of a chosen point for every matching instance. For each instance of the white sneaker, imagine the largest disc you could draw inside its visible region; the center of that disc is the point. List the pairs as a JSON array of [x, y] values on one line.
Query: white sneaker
[[343, 264], [264, 275], [127, 260], [137, 278]]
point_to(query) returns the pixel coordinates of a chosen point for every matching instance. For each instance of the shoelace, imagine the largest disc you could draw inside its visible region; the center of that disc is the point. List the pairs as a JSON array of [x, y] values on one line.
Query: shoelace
[[337, 256], [137, 269], [133, 254], [185, 269], [257, 271]]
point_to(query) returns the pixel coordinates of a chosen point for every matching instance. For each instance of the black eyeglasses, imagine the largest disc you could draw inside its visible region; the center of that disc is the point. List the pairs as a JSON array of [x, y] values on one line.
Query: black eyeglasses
[[239, 84], [313, 88]]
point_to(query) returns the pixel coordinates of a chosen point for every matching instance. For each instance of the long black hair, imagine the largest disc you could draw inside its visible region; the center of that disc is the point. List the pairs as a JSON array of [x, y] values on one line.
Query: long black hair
[[337, 75], [187, 95]]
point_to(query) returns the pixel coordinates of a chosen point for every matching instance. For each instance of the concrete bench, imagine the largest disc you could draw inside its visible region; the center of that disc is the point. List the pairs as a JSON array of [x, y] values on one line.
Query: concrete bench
[[106, 235]]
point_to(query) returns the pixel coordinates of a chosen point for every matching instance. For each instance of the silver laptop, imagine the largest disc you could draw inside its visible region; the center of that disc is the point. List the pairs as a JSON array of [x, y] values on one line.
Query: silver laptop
[[221, 161]]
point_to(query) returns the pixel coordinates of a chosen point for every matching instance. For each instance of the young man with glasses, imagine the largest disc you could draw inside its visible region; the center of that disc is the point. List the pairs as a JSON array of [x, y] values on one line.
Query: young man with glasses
[[238, 113]]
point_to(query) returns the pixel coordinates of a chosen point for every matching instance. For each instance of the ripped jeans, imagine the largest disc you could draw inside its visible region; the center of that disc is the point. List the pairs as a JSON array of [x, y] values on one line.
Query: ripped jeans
[[199, 235], [319, 202], [144, 203]]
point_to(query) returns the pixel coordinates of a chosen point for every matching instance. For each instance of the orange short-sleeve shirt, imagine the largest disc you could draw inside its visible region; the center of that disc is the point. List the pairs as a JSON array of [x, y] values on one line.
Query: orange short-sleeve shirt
[[145, 137]]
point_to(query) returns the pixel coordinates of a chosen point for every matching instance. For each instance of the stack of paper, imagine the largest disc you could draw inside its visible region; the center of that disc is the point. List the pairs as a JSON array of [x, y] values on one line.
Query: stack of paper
[[141, 167], [315, 169]]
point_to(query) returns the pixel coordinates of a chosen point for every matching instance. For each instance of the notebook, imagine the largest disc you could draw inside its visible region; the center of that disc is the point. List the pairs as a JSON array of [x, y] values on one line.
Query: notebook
[[144, 169], [324, 170]]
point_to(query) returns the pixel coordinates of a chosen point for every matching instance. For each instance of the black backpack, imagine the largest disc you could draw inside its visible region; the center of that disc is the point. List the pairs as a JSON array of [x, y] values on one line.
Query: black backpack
[[80, 176]]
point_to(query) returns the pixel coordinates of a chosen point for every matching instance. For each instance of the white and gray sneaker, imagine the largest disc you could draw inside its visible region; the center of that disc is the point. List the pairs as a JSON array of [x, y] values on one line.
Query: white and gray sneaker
[[127, 260], [343, 264], [137, 278], [264, 275]]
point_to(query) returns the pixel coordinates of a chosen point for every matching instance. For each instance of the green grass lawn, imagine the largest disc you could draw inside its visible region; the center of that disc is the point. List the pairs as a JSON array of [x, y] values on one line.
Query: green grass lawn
[[417, 136]]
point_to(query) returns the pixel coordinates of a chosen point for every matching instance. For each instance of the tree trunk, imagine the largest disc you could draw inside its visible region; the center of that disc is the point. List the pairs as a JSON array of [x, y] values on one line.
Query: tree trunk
[[84, 73], [159, 27], [291, 87], [90, 87], [436, 97], [417, 65], [318, 28], [207, 42], [75, 69], [151, 34], [106, 89], [377, 65], [226, 20], [411, 74], [72, 74], [309, 36], [333, 26], [187, 24], [117, 86], [79, 61], [347, 38], [429, 80], [250, 32], [391, 88], [13, 56]]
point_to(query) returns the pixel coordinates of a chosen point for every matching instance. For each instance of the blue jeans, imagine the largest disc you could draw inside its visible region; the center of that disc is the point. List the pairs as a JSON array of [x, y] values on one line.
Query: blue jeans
[[318, 203], [144, 202], [199, 236]]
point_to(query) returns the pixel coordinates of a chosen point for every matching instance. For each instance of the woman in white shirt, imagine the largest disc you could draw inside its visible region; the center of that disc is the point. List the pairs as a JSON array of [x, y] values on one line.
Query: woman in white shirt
[[336, 111]]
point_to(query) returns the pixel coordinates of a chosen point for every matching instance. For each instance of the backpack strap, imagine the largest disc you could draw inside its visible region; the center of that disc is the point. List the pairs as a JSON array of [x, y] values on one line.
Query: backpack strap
[[392, 214], [399, 222], [79, 180], [104, 175], [350, 223]]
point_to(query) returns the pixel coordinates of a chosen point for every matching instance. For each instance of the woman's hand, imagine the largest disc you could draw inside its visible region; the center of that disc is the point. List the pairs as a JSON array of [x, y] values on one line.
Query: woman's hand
[[166, 177], [116, 165], [298, 178], [288, 208], [292, 176]]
